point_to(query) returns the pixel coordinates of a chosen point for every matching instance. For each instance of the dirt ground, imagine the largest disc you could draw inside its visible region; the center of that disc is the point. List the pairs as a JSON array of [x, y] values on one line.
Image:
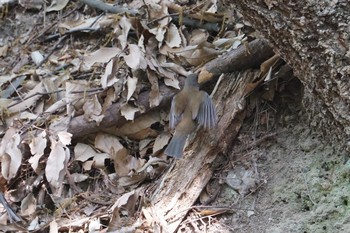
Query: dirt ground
[[290, 182]]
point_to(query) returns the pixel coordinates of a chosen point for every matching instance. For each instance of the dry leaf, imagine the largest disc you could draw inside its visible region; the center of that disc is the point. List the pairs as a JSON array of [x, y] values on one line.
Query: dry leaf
[[173, 38], [75, 95], [131, 83], [27, 103], [93, 110], [128, 111], [56, 162], [64, 137], [53, 227], [78, 177], [101, 55], [127, 201], [154, 95], [140, 123], [99, 160], [135, 58], [57, 5], [107, 143], [10, 155], [109, 78], [123, 31], [37, 147], [83, 152], [161, 141], [28, 205]]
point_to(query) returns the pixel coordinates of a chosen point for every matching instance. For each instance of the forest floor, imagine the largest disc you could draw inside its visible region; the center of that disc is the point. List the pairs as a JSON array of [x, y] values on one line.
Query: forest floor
[[281, 175], [302, 183]]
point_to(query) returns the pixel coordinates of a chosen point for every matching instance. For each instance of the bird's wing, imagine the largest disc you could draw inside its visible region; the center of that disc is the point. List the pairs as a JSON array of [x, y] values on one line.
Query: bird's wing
[[174, 118], [206, 113]]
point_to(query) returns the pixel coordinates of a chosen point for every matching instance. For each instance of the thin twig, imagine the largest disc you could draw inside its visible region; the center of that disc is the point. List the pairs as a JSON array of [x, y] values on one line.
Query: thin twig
[[53, 92]]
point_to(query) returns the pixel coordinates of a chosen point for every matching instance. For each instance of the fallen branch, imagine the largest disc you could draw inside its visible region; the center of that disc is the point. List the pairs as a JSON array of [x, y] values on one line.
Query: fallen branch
[[248, 56], [109, 8], [180, 188]]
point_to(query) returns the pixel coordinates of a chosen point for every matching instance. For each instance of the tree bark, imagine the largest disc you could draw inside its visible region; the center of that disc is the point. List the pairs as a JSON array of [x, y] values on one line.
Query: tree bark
[[181, 186], [314, 38]]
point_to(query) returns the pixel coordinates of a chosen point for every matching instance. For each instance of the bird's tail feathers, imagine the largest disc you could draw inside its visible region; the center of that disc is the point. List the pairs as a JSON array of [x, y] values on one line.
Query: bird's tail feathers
[[176, 146]]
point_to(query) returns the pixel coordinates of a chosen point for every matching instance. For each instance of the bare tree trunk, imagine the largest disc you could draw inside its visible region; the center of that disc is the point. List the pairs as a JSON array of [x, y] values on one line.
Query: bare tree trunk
[[314, 38]]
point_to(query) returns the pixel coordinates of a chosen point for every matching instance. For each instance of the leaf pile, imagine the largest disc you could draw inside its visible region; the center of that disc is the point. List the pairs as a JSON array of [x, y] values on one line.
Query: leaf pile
[[71, 63]]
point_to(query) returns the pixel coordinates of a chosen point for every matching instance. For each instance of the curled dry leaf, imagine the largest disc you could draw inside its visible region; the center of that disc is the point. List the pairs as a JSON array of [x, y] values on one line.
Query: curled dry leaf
[[135, 58], [83, 152], [56, 162], [198, 36], [27, 115], [93, 110], [28, 205], [140, 124], [173, 38], [64, 137], [101, 55], [26, 4], [3, 50], [161, 141], [128, 201], [160, 12], [107, 143], [128, 111], [89, 23], [57, 5], [131, 83], [37, 147], [10, 155], [241, 180], [37, 57], [78, 177], [29, 99], [124, 162], [109, 78], [154, 95], [75, 93], [53, 226], [123, 31]]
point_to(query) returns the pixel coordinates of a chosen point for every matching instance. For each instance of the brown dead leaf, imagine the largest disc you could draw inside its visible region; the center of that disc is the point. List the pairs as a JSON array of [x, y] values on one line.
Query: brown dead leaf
[[75, 95], [131, 84], [140, 123], [135, 58], [56, 163], [93, 110], [28, 205], [173, 38], [37, 147], [83, 152], [101, 55], [109, 77], [161, 141], [154, 95], [215, 211], [108, 143], [30, 99], [123, 31], [128, 111], [10, 154], [57, 5]]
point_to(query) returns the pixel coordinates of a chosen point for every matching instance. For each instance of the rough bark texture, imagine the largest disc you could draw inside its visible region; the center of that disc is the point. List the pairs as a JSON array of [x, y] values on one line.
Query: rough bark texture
[[314, 38], [182, 185]]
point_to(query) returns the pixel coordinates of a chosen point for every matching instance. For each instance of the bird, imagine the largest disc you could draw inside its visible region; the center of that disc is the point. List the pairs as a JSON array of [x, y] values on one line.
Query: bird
[[189, 108]]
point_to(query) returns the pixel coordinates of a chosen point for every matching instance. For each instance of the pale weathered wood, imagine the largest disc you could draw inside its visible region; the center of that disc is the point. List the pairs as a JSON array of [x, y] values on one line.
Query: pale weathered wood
[[182, 185]]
